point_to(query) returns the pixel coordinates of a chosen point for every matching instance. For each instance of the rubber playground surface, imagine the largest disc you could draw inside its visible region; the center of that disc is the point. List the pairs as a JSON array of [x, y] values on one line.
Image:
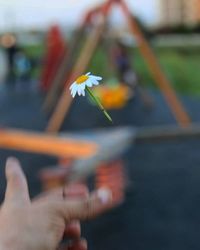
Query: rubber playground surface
[[162, 205]]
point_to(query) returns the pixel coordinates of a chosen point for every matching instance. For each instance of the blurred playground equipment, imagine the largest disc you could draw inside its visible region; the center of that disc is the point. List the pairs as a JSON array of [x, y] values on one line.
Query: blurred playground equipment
[[56, 48], [101, 13], [113, 97]]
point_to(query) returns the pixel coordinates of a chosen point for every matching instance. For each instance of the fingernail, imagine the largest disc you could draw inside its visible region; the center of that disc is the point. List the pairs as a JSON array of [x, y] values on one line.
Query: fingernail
[[105, 195], [11, 165], [12, 161]]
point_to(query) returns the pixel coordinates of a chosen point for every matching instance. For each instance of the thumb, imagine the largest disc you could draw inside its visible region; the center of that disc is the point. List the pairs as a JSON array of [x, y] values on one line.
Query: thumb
[[83, 209], [17, 189]]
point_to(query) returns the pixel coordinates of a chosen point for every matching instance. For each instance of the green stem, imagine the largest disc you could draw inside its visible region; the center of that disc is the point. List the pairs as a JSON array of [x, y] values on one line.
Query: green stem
[[99, 104]]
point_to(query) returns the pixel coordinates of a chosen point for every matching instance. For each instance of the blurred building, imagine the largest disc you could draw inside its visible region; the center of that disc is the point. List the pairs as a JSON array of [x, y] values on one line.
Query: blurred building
[[179, 12]]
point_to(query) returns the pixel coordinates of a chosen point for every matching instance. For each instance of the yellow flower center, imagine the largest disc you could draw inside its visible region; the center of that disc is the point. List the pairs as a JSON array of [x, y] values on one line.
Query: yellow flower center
[[82, 79]]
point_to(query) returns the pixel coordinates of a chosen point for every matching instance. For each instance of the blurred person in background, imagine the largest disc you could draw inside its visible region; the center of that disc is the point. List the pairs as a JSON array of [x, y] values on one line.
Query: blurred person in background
[[127, 75], [3, 68], [9, 43], [22, 67], [121, 61]]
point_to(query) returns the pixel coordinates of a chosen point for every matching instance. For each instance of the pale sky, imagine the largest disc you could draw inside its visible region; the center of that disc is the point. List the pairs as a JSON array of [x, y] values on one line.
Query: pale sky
[[42, 13]]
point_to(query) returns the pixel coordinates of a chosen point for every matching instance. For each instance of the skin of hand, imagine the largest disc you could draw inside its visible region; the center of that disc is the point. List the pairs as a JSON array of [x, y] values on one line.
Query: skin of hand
[[40, 224], [73, 229]]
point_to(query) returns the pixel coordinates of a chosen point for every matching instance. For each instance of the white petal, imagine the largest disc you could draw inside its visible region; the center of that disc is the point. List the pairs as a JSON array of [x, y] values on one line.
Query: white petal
[[73, 93], [79, 91], [94, 82], [74, 88], [73, 84], [88, 83], [98, 78], [88, 73], [82, 86], [83, 92]]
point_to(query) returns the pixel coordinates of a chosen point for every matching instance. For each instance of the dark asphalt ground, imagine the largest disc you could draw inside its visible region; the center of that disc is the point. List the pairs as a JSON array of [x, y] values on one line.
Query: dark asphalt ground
[[161, 211]]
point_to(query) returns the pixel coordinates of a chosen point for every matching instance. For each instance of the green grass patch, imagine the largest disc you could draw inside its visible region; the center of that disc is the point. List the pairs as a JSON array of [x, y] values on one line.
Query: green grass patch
[[181, 66]]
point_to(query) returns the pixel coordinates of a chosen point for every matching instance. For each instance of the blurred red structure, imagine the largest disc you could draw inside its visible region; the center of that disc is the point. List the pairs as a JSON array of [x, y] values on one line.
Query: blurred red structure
[[112, 175], [56, 47]]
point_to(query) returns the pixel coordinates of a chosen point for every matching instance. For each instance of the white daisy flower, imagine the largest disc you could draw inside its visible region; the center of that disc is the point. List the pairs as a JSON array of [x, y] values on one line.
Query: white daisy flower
[[87, 80]]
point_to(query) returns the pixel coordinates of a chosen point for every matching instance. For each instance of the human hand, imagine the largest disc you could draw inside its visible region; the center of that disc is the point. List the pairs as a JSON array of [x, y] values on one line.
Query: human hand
[[40, 224], [73, 229]]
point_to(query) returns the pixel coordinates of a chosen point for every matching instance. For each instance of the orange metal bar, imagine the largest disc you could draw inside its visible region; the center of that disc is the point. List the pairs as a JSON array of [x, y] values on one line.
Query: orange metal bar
[[66, 99], [175, 105], [45, 144]]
